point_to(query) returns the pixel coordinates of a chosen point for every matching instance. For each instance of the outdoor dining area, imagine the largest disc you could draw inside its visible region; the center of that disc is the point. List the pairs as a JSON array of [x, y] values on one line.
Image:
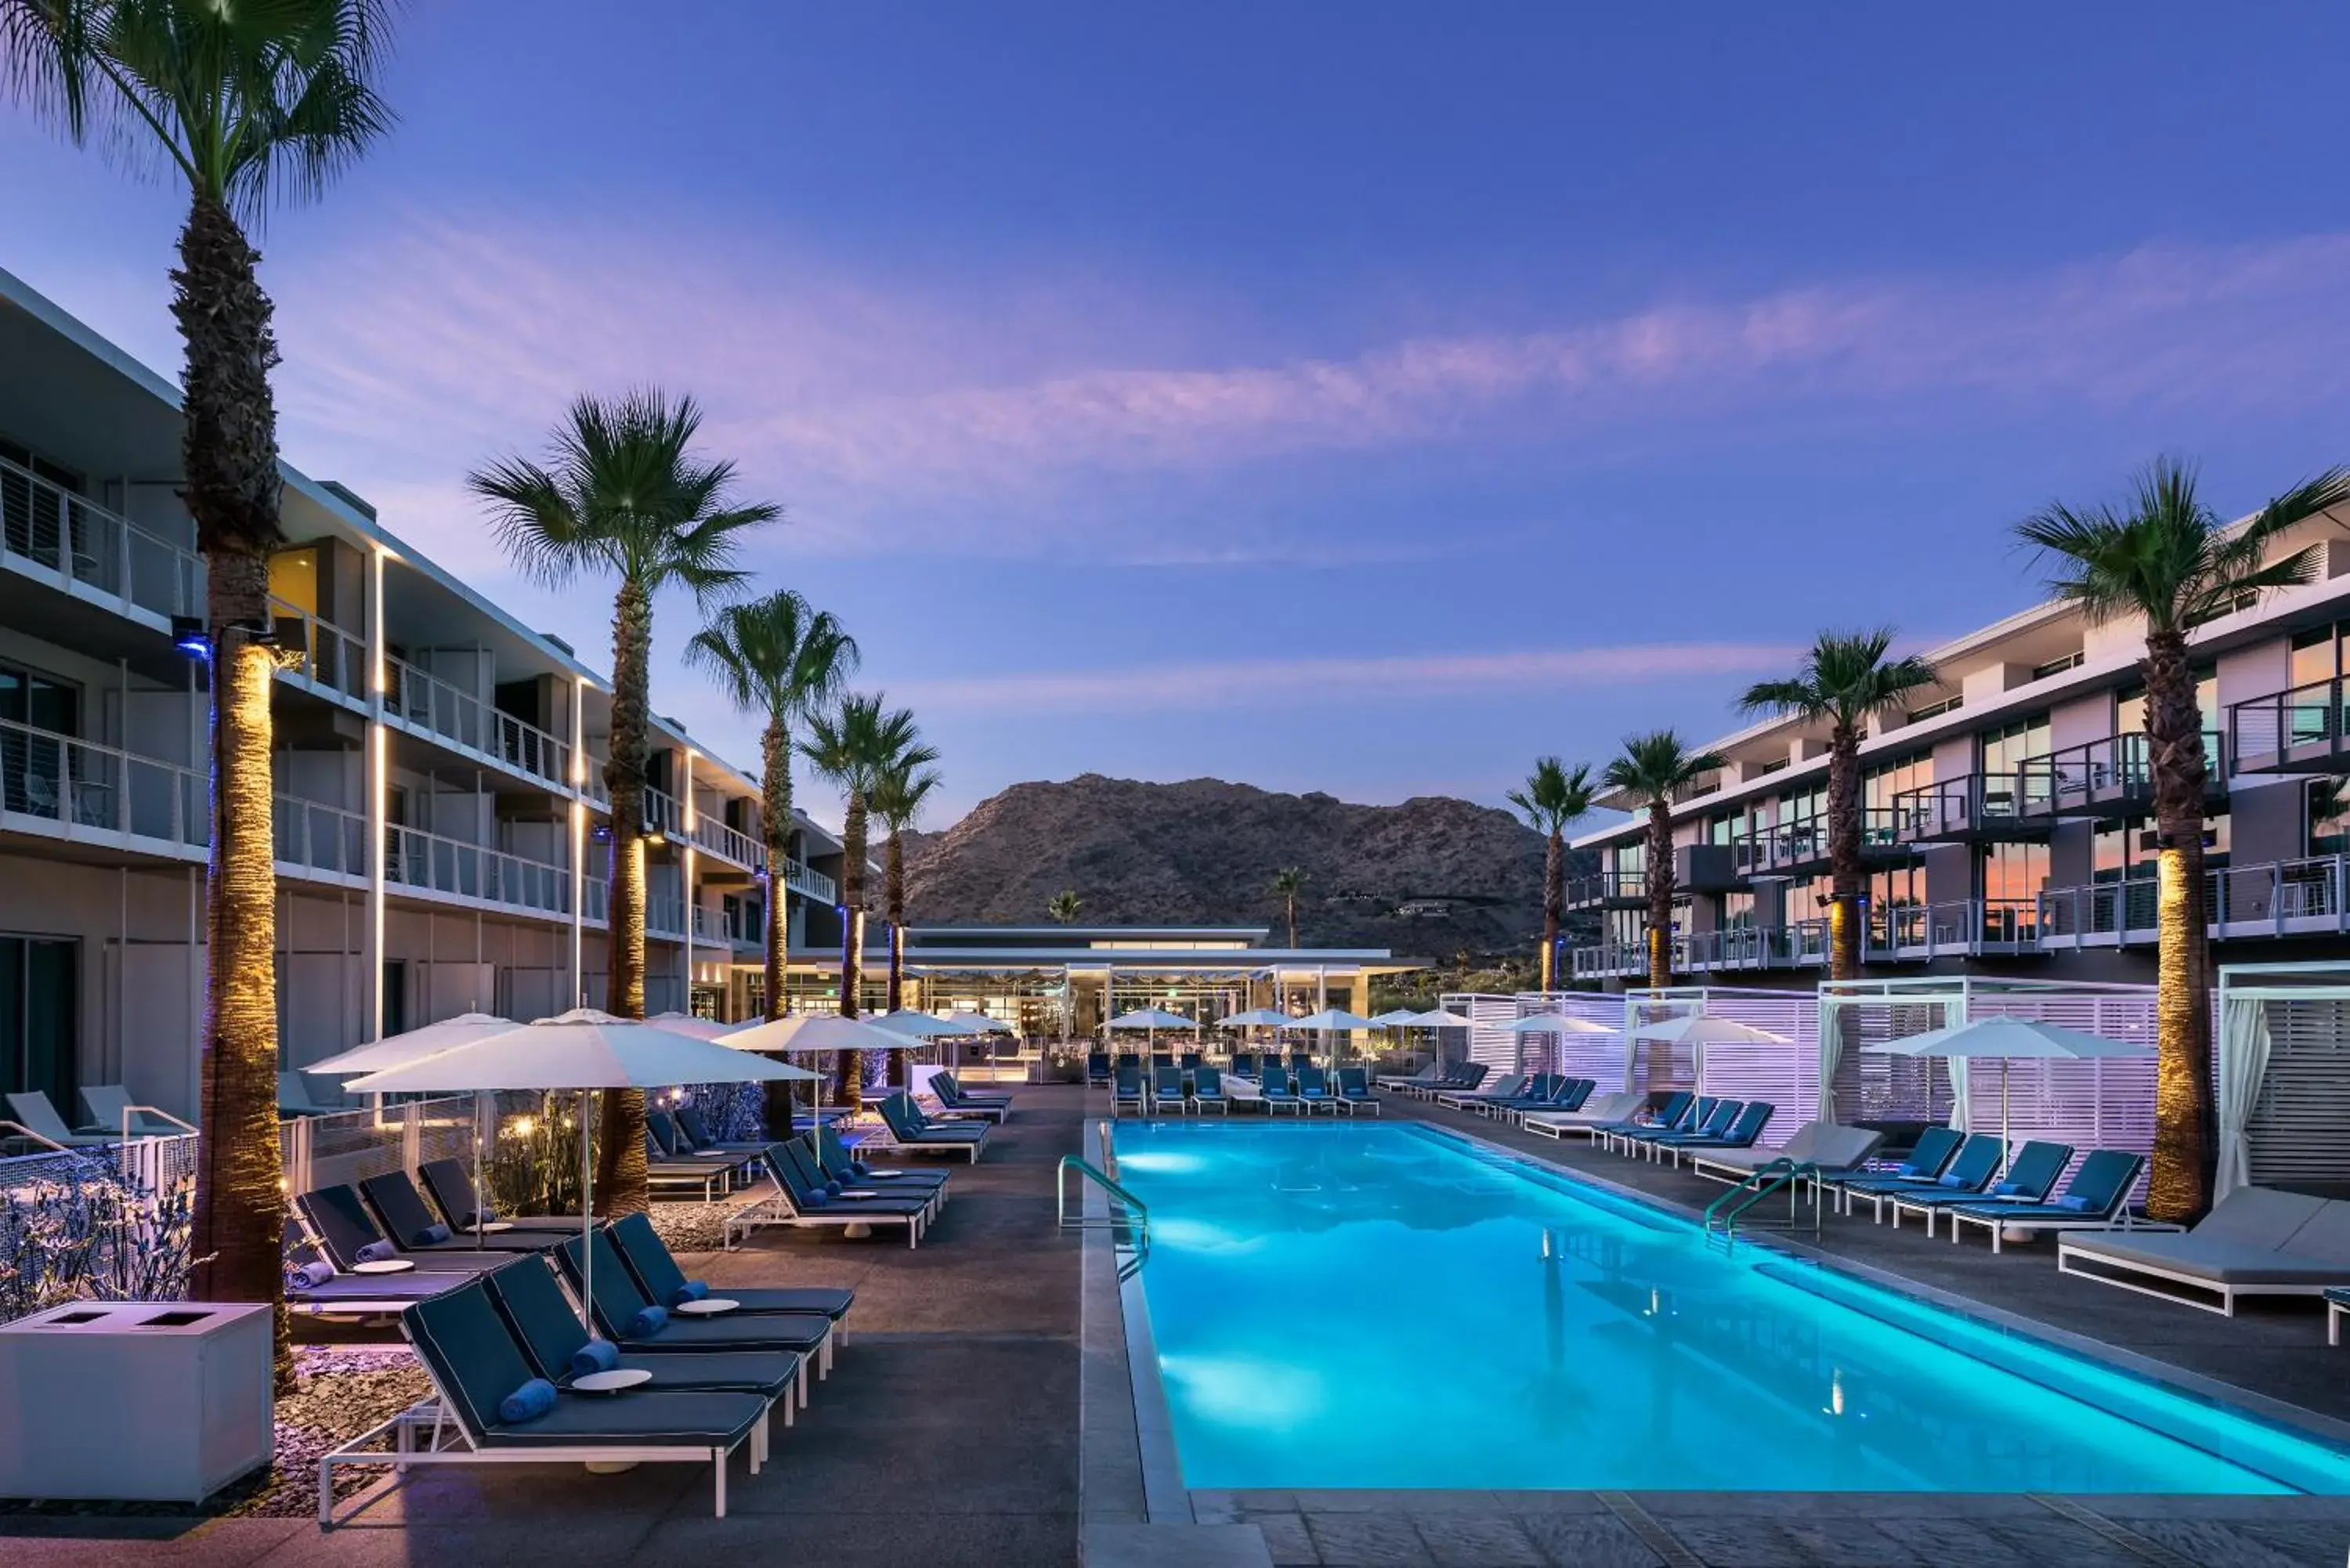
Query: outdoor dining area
[[1261, 1060]]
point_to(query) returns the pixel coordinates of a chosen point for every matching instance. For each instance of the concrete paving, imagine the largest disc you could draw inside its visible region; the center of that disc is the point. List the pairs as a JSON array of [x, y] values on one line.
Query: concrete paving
[[946, 1436]]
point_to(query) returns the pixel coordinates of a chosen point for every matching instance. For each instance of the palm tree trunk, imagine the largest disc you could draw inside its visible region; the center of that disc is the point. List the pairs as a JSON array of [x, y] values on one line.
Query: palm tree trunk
[[1843, 854], [894, 884], [852, 953], [620, 1182], [2185, 1142], [1290, 902], [229, 453], [1553, 905], [776, 822], [1660, 894]]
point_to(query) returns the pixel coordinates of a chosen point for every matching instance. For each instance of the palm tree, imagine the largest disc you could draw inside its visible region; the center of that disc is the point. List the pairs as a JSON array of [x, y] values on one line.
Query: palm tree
[[247, 104], [852, 747], [1845, 679], [1653, 769], [782, 659], [1065, 907], [624, 496], [898, 796], [1553, 801], [2164, 555], [1287, 882]]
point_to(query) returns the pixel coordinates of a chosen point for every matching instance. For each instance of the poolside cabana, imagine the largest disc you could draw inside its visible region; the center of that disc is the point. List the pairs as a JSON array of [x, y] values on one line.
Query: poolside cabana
[[2282, 1053], [1785, 1075]]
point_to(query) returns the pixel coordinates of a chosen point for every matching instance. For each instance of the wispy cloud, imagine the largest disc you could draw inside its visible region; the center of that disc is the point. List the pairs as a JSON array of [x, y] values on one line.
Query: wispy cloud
[[1266, 683], [966, 415]]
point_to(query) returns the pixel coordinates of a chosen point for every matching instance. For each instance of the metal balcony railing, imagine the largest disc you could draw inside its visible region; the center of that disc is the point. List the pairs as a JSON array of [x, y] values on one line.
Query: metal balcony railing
[[2113, 776], [2303, 730], [729, 843], [1790, 848], [80, 789], [1580, 893], [428, 862], [2269, 898], [329, 659], [1972, 806], [47, 531], [430, 706], [311, 837]]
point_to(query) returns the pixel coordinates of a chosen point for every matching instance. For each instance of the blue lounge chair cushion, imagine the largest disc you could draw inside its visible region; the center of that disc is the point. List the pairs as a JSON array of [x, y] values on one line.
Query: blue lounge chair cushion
[[376, 1252], [595, 1355], [527, 1402], [649, 1321], [692, 1291]]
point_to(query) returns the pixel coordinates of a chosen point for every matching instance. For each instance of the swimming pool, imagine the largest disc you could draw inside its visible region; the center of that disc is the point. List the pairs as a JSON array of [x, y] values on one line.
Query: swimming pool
[[1395, 1307]]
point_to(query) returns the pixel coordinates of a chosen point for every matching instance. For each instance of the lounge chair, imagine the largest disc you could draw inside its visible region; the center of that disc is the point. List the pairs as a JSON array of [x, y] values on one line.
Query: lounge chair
[[33, 1114], [294, 1099], [1706, 1118], [1167, 1089], [1190, 1060], [951, 1089], [1400, 1081], [451, 1187], [1596, 1113], [548, 1329], [1272, 1087], [2096, 1198], [710, 1178], [1741, 1133], [696, 1128], [2337, 1307], [1207, 1089], [1355, 1095], [1508, 1087], [2030, 1177], [1674, 1111], [1126, 1091], [337, 1219], [846, 1166], [1097, 1069], [469, 1351], [1566, 1095], [1830, 1150], [802, 1198], [1533, 1094], [655, 1270], [1314, 1091], [2256, 1242], [619, 1315], [1161, 1059], [1958, 1164], [110, 1107], [403, 1215], [910, 1130], [956, 1105], [314, 1287], [1299, 1060], [1245, 1064]]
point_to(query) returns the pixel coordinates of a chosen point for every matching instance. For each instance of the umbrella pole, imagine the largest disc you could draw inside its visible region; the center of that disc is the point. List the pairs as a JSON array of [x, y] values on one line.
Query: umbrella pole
[[480, 1103], [2003, 1153], [586, 1223]]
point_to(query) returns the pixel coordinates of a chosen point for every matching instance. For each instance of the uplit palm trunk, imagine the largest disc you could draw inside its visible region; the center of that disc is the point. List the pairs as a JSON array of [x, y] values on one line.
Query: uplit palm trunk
[[894, 885], [775, 821], [2185, 1140], [1660, 894], [1554, 906], [1290, 902], [1844, 852], [620, 1179], [852, 955], [229, 452]]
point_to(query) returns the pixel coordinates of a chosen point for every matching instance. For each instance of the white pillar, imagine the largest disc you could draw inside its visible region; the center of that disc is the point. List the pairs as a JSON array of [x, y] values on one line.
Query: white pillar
[[374, 808], [578, 836], [685, 868]]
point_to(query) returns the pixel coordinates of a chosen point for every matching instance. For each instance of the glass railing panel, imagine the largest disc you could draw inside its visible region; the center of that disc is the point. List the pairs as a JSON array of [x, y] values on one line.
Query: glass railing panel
[[56, 531]]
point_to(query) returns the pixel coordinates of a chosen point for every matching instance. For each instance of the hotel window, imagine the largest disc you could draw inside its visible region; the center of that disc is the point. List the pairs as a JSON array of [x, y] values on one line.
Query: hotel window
[[2329, 816], [1808, 899], [1880, 785], [1936, 709], [2012, 876], [1719, 829], [2004, 749], [2072, 661], [1737, 912], [2129, 704]]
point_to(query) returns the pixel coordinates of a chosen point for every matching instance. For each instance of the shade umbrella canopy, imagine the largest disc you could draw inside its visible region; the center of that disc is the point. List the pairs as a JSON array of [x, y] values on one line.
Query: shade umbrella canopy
[[1555, 1023], [583, 1048], [1255, 1017], [1394, 1017], [1152, 1018], [802, 1033], [1698, 1029], [919, 1026], [686, 1023], [973, 1023], [2011, 1039], [1439, 1018], [398, 1050], [1329, 1018]]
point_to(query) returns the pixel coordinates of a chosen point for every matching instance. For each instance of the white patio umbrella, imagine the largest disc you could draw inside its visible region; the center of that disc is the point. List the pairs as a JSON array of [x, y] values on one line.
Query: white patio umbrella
[[1151, 1021], [1557, 1024], [1439, 1018], [920, 1026], [1254, 1018], [1330, 1018], [1394, 1016], [800, 1033], [1698, 1029], [686, 1023], [398, 1050], [583, 1050], [2010, 1040]]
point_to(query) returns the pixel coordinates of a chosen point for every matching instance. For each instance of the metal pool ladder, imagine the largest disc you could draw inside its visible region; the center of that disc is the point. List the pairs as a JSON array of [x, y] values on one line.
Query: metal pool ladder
[[1127, 1213], [1726, 1212]]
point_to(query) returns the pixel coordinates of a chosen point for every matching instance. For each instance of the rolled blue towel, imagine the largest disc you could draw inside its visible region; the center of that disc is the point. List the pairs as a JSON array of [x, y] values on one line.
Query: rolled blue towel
[[595, 1355], [481, 1217], [815, 1198], [858, 1169], [648, 1322], [832, 1189], [692, 1291], [529, 1402], [431, 1235], [311, 1275], [2078, 1205], [376, 1252]]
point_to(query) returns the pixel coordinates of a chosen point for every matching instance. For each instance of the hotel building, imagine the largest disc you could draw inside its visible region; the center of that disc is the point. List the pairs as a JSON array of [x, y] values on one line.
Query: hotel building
[[2007, 813]]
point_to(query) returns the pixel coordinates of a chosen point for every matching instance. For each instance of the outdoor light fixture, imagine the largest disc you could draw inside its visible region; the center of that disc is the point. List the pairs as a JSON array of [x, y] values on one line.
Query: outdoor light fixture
[[287, 639], [190, 638], [656, 838]]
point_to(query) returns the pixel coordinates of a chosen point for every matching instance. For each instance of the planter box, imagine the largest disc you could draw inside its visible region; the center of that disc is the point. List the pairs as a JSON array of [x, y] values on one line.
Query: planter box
[[134, 1401]]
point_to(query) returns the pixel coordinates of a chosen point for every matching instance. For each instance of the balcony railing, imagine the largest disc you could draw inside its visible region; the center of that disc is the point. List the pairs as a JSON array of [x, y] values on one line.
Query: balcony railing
[[330, 660], [1906, 933], [729, 843], [2303, 730], [1971, 807], [1581, 892], [447, 866], [810, 884], [2109, 777], [1793, 849], [313, 836], [84, 790], [2269, 898], [662, 813], [432, 707], [46, 530]]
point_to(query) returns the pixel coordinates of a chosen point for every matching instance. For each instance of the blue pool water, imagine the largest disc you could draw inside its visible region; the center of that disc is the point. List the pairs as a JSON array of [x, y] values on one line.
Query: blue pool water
[[1392, 1307]]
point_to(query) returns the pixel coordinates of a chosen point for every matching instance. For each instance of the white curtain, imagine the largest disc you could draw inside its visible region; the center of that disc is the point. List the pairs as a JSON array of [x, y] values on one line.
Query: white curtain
[[2243, 1063], [1961, 1118], [1831, 1054]]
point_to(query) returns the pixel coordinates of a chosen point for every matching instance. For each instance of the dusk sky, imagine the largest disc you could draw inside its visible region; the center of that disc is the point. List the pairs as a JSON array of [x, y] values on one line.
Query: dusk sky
[[1362, 398]]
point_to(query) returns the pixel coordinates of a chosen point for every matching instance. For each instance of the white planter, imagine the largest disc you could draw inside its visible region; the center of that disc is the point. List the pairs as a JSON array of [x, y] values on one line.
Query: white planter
[[147, 1401]]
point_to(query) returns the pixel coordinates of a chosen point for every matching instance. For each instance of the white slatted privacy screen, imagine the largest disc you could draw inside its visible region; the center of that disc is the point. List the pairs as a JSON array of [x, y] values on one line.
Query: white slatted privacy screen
[[1788, 1076], [2300, 1132], [1600, 1057], [1491, 1044]]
